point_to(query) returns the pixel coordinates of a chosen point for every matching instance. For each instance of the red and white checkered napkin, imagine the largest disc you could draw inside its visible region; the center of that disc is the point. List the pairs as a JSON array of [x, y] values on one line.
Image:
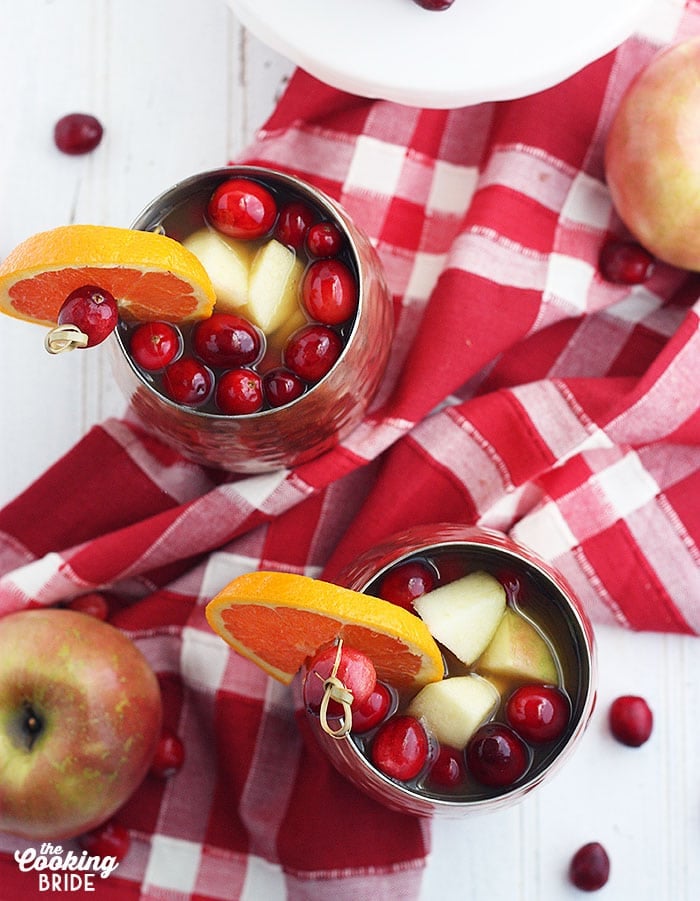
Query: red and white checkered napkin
[[523, 393]]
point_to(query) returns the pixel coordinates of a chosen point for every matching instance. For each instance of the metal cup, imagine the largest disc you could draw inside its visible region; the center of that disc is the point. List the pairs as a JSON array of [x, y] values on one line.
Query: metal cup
[[566, 623], [312, 424]]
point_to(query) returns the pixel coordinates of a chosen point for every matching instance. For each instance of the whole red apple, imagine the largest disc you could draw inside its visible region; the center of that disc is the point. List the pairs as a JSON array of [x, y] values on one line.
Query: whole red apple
[[652, 156], [80, 718]]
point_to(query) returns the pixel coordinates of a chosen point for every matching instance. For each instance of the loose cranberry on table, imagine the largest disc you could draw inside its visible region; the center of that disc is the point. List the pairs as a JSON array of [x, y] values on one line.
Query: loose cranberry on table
[[590, 867], [227, 340], [406, 582], [92, 310], [539, 713], [293, 223], [631, 720], [77, 133], [400, 748], [111, 839], [434, 5], [312, 351], [496, 756], [355, 671], [329, 292], [188, 382], [242, 208], [169, 755], [92, 604], [154, 345], [239, 392], [625, 263], [371, 713]]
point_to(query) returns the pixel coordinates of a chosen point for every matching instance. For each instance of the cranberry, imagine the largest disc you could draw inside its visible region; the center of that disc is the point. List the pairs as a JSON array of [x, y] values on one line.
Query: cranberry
[[92, 310], [77, 133], [92, 604], [188, 382], [154, 345], [400, 748], [226, 340], [434, 5], [312, 351], [329, 292], [282, 386], [168, 757], [239, 392], [496, 755], [375, 709], [406, 582], [631, 720], [590, 867], [324, 239], [625, 263], [447, 770], [355, 671], [111, 839], [538, 713], [242, 208], [294, 221]]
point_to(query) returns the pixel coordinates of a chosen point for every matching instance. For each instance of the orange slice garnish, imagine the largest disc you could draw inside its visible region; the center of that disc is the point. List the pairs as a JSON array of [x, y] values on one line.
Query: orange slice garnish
[[279, 620], [150, 276]]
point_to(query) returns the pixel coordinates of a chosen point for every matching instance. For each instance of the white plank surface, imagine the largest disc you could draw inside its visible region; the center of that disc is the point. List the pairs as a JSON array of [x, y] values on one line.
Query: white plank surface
[[180, 87]]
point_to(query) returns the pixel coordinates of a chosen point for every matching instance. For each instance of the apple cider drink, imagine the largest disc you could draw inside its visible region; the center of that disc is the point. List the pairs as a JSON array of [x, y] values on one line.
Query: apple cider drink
[[518, 683]]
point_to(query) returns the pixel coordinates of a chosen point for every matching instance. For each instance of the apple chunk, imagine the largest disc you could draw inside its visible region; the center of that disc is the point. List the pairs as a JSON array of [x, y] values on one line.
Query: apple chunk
[[273, 287], [454, 708], [227, 262], [517, 650], [464, 614]]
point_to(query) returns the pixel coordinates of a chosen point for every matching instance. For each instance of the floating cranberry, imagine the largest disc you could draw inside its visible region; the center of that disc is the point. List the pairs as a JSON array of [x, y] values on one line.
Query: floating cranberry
[[282, 386], [590, 867], [111, 839], [168, 757], [375, 709], [355, 671], [154, 345], [226, 340], [631, 720], [77, 133], [329, 292], [188, 382], [447, 770], [539, 713], [400, 748], [92, 310], [239, 392], [406, 582], [625, 263], [293, 223], [92, 604], [324, 239], [496, 756], [312, 351], [242, 208]]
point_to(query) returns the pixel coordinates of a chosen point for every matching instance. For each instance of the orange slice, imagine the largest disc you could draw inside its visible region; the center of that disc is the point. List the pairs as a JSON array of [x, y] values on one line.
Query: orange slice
[[278, 620], [149, 275]]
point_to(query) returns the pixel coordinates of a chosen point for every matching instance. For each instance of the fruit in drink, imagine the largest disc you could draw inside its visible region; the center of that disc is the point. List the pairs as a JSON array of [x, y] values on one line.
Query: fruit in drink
[[227, 262], [406, 582], [464, 615], [273, 286], [154, 345], [352, 675], [400, 748], [454, 708], [242, 208], [496, 756], [518, 650], [539, 713], [652, 156], [80, 718]]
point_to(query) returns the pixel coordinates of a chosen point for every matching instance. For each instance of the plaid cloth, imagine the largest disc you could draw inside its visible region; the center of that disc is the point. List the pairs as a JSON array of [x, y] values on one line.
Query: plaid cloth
[[523, 393]]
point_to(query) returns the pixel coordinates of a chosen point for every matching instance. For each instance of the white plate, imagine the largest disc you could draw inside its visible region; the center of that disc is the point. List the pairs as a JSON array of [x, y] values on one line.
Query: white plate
[[475, 51]]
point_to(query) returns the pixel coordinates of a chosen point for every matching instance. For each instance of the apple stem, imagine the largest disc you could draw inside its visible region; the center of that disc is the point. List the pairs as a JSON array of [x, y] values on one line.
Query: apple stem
[[32, 725], [335, 690]]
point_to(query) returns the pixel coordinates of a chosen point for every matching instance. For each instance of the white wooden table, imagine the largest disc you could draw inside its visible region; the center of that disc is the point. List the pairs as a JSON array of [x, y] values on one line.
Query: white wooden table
[[180, 87]]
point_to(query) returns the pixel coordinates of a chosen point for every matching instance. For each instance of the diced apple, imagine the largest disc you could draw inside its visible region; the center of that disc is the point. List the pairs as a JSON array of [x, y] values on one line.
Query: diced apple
[[279, 337], [464, 615], [517, 650], [273, 287], [227, 262], [454, 708]]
